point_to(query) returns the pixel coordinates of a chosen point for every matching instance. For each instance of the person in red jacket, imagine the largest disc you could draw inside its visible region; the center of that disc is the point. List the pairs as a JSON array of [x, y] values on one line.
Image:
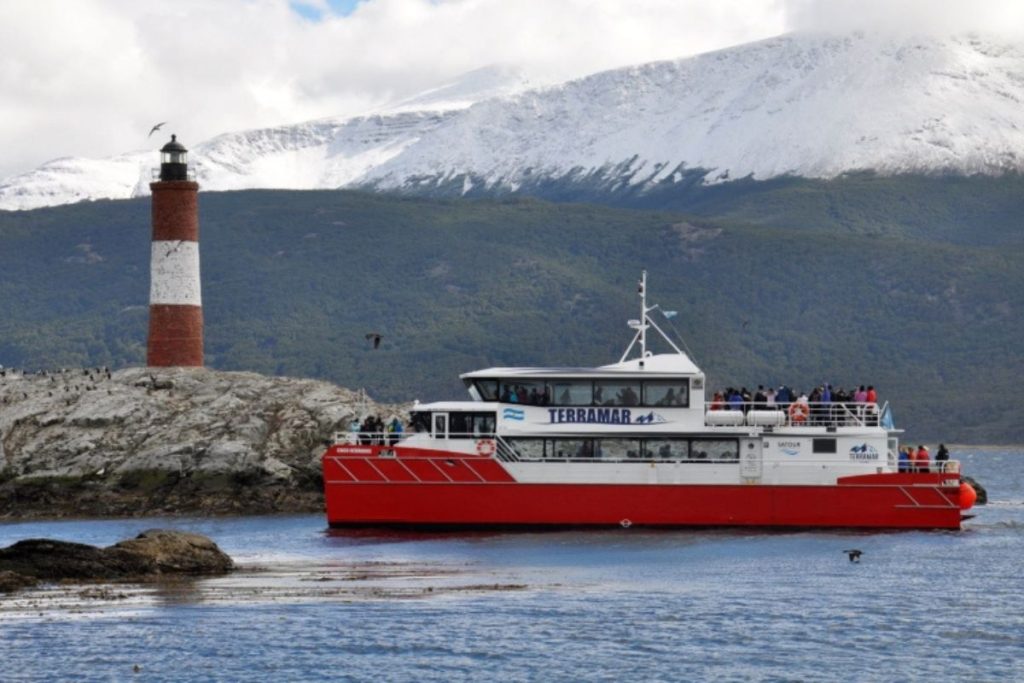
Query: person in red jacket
[[922, 460], [872, 395]]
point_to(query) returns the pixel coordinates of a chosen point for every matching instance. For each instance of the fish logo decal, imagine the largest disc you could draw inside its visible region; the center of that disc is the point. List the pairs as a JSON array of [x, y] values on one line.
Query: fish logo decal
[[516, 414]]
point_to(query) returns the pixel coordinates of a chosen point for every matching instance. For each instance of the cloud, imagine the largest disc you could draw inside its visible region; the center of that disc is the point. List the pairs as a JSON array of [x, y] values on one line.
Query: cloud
[[921, 17], [90, 77]]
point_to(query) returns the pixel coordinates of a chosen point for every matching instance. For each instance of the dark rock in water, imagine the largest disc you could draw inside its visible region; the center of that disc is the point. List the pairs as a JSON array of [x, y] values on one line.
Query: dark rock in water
[[177, 552], [11, 581], [152, 553], [978, 488]]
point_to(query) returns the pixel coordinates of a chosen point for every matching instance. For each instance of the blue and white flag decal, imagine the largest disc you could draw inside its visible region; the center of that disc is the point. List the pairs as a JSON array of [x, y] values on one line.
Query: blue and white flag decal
[[516, 414]]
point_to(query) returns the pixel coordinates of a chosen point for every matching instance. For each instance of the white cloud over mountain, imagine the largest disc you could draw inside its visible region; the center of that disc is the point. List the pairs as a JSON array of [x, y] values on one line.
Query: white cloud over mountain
[[89, 77]]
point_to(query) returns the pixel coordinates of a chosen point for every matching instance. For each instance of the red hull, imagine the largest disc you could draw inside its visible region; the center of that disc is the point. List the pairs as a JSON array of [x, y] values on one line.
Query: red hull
[[476, 492]]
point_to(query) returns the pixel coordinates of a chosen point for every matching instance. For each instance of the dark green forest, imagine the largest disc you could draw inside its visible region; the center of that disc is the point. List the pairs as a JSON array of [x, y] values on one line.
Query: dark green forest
[[913, 284]]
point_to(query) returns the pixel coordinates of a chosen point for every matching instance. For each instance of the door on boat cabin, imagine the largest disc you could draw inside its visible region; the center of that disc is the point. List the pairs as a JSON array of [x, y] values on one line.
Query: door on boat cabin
[[440, 425]]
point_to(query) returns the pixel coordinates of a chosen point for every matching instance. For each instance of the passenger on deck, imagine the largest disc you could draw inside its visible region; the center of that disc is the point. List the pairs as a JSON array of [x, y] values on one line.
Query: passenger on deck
[[904, 460], [769, 397], [943, 454], [871, 396], [861, 395], [534, 397], [784, 396], [746, 398], [395, 430], [717, 402], [734, 399], [922, 459], [760, 399]]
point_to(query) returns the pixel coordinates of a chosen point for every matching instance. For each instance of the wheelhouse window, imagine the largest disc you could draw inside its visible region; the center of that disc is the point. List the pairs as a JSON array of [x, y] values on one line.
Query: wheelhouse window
[[470, 425], [571, 393], [667, 394], [526, 392], [487, 388], [420, 422], [616, 393]]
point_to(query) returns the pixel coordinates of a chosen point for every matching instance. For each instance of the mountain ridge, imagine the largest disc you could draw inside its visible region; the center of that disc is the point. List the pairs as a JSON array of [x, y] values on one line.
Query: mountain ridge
[[807, 105]]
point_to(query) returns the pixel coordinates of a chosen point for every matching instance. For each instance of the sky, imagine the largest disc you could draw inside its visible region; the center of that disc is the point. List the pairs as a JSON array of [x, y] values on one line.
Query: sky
[[91, 77]]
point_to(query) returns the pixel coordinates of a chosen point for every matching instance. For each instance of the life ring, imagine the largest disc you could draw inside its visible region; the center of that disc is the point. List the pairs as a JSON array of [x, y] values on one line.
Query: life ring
[[485, 447], [799, 412]]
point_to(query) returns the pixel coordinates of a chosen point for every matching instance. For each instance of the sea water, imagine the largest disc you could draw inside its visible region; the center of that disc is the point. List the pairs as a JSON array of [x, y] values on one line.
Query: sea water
[[623, 604]]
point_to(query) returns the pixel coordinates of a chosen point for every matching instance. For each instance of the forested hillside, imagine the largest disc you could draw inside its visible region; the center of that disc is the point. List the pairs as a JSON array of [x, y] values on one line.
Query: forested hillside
[[797, 282]]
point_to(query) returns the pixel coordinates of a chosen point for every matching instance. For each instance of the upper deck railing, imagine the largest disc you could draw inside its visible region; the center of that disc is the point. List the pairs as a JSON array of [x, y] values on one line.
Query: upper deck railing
[[796, 414]]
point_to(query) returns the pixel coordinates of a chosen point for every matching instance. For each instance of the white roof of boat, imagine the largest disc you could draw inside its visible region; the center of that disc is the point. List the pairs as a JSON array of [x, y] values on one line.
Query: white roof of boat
[[454, 406], [662, 364]]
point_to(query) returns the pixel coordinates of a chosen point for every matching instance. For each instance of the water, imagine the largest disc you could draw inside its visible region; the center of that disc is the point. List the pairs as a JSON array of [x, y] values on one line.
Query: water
[[610, 605]]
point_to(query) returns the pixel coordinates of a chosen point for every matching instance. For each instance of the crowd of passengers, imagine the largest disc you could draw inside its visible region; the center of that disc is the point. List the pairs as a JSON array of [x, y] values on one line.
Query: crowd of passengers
[[919, 460], [373, 431], [824, 405]]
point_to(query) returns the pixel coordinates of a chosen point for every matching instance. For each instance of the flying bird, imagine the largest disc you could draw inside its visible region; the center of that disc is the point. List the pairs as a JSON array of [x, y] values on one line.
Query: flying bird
[[375, 338], [854, 554], [156, 128]]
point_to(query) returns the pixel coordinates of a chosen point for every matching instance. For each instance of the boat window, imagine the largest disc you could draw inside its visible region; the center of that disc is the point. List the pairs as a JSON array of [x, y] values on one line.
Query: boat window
[[470, 425], [420, 422], [617, 449], [572, 449], [571, 393], [527, 449], [616, 393], [526, 392], [667, 394], [720, 450], [440, 426], [487, 388], [824, 446], [666, 449]]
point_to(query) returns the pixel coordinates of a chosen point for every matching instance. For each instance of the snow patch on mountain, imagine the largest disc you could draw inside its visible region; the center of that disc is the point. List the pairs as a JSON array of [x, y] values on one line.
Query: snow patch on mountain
[[800, 104]]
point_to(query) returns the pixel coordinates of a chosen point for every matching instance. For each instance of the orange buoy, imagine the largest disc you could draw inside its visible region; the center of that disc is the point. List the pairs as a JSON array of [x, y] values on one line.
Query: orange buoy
[[967, 495]]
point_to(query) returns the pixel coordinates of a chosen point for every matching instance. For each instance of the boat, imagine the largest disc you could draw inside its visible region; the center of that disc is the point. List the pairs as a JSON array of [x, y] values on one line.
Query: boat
[[634, 443]]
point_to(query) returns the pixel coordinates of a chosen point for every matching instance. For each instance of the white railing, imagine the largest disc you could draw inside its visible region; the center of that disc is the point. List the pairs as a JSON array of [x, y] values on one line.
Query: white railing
[[797, 414]]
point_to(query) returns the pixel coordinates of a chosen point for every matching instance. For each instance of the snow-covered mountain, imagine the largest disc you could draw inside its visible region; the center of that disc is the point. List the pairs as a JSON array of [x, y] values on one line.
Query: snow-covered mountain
[[807, 105]]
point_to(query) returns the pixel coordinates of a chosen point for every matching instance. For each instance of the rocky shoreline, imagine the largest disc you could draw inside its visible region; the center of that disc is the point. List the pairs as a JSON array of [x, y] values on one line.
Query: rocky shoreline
[[169, 441]]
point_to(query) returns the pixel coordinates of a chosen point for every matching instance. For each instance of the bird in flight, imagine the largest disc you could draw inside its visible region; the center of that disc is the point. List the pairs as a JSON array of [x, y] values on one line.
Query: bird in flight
[[375, 338], [156, 128], [854, 554]]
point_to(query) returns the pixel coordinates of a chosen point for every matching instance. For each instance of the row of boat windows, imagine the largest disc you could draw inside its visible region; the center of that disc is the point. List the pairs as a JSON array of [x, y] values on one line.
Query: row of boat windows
[[685, 450], [568, 392]]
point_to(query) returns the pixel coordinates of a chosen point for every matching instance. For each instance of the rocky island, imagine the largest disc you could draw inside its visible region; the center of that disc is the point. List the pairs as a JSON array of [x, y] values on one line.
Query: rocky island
[[168, 441]]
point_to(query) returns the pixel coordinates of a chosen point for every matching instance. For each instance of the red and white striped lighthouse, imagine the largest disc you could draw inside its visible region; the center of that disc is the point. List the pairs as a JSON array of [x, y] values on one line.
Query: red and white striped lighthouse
[[175, 301]]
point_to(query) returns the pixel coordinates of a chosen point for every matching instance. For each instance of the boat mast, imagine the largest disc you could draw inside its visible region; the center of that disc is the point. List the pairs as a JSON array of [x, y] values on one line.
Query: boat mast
[[643, 317], [643, 323]]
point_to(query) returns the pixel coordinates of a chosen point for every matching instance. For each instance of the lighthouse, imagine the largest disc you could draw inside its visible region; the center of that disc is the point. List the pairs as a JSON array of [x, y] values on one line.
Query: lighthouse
[[175, 301]]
